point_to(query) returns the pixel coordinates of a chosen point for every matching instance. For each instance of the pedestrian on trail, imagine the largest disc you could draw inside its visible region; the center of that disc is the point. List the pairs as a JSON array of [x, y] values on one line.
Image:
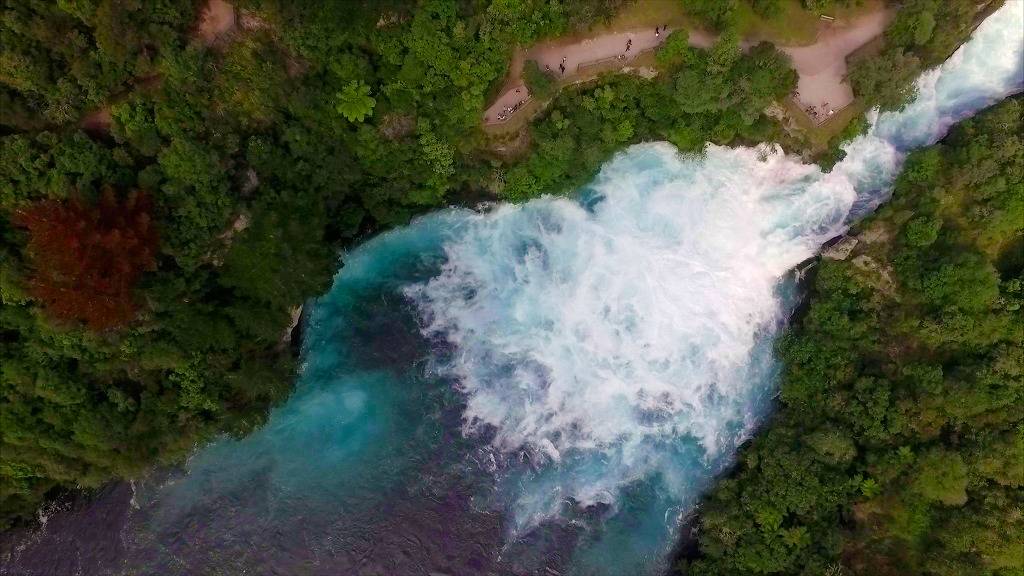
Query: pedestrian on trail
[[629, 44], [656, 33]]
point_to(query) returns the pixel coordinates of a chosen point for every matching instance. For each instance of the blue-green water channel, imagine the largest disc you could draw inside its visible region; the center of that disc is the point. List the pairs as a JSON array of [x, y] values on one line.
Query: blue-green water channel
[[543, 388]]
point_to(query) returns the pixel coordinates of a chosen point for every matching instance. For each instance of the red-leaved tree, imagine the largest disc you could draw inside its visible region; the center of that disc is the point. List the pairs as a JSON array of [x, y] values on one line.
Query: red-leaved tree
[[88, 259]]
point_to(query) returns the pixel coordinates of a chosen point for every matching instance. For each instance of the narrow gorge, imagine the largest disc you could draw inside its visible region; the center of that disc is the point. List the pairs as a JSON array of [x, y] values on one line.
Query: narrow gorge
[[549, 385]]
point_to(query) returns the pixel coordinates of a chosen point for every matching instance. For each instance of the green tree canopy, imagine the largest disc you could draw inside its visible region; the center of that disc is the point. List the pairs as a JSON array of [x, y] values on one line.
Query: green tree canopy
[[354, 102]]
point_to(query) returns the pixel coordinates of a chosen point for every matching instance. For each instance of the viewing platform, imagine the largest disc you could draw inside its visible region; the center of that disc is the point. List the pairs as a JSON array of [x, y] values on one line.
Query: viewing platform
[[822, 89]]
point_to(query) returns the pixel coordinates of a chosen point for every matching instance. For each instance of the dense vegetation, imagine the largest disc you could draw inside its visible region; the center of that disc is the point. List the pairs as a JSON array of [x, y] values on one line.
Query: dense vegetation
[[715, 95], [150, 274], [60, 59], [151, 271], [899, 445], [923, 34], [723, 14]]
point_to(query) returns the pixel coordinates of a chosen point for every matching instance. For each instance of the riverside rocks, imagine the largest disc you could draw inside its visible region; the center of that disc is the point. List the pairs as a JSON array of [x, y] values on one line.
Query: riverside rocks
[[840, 250]]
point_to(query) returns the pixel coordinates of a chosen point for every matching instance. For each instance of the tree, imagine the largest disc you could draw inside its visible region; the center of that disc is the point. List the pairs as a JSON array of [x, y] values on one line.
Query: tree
[[354, 101], [886, 80], [720, 14], [767, 8], [676, 49], [541, 84], [901, 393], [922, 231], [87, 260], [923, 29], [914, 25], [942, 476], [967, 282]]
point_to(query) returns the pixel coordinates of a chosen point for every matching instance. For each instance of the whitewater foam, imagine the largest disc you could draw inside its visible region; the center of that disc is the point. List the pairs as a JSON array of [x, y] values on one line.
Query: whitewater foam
[[605, 337], [610, 351]]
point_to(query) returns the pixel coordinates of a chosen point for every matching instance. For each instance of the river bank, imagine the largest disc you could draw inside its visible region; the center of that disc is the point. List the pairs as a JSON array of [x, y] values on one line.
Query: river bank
[[536, 238]]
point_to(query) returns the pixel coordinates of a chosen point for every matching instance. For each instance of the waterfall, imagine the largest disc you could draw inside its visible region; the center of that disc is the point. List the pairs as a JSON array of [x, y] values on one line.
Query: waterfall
[[625, 335], [540, 386]]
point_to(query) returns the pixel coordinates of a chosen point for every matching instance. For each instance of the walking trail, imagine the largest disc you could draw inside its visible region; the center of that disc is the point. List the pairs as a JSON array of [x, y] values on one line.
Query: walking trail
[[216, 20], [821, 66]]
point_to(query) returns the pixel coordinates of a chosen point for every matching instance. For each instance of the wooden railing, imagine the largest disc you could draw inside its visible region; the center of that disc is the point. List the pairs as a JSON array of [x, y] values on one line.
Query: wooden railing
[[618, 57]]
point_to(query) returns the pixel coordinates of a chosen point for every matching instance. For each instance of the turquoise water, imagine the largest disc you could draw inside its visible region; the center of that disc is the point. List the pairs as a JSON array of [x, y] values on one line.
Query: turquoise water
[[547, 386]]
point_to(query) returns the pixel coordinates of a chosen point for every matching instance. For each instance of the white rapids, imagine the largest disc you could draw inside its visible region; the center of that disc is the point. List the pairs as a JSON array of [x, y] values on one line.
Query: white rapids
[[628, 334]]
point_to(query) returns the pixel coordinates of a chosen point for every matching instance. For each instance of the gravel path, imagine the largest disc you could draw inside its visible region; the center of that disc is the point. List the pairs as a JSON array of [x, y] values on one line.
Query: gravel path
[[217, 19], [577, 56], [821, 66]]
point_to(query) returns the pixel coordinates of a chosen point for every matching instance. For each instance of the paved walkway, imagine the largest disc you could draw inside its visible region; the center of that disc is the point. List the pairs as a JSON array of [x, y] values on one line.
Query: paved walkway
[[821, 66], [606, 47], [580, 55], [217, 19], [507, 104]]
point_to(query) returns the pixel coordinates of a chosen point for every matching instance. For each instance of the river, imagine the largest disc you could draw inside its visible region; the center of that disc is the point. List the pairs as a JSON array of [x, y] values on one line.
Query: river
[[543, 388]]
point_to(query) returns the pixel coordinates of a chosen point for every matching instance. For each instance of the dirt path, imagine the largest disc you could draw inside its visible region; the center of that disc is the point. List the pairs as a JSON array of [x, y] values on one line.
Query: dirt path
[[217, 19], [578, 57], [821, 66], [97, 122], [507, 104]]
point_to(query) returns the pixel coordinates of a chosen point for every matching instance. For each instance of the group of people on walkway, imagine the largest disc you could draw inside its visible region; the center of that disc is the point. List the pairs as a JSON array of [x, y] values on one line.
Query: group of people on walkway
[[561, 67], [510, 110], [629, 41], [811, 110], [819, 115]]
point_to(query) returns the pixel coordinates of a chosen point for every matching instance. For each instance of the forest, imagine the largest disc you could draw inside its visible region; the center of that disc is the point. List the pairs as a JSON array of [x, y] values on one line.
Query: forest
[[898, 445], [151, 273]]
